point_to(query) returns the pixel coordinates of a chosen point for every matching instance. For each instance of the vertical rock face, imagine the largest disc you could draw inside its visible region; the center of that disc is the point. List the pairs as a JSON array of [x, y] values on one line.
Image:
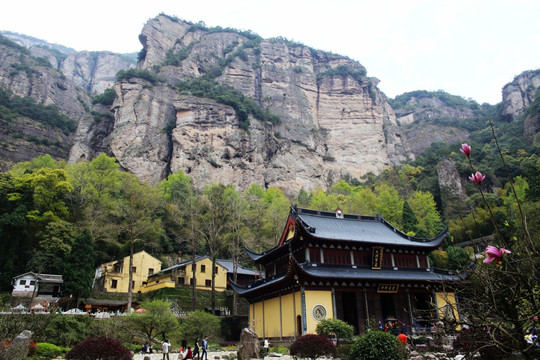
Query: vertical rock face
[[520, 93], [334, 123], [94, 72], [24, 138], [453, 194], [428, 117]]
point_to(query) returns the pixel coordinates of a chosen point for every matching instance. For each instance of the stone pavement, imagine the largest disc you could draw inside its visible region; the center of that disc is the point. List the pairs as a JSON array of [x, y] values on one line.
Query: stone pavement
[[212, 355]]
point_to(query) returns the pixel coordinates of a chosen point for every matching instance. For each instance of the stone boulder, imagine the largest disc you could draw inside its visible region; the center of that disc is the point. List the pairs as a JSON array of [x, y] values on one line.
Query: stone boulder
[[249, 347], [19, 347]]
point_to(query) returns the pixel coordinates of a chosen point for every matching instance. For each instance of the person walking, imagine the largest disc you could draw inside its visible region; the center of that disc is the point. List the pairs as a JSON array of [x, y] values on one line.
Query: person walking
[[197, 349], [165, 347], [204, 355], [266, 346], [189, 353]]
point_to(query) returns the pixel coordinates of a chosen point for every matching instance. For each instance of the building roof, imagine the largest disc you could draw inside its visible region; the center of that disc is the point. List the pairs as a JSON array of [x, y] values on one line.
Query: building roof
[[225, 263], [127, 258], [353, 230], [107, 302], [343, 274], [44, 278], [359, 228]]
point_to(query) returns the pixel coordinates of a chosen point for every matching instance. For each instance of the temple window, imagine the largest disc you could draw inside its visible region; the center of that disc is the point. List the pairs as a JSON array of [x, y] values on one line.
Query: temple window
[[362, 257], [335, 256], [314, 255]]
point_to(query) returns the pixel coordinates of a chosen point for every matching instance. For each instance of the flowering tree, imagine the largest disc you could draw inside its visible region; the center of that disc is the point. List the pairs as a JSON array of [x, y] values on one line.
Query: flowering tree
[[501, 298]]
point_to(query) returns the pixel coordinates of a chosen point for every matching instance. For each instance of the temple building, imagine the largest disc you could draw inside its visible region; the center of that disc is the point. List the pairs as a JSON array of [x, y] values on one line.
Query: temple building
[[350, 267]]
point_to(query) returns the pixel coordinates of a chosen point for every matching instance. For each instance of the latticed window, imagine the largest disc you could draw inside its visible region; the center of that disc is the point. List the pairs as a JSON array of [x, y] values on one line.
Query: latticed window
[[337, 256], [405, 260], [314, 255], [362, 257]]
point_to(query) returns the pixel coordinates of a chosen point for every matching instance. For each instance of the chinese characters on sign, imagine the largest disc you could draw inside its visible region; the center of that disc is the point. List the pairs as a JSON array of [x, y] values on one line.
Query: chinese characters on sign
[[376, 257], [388, 288]]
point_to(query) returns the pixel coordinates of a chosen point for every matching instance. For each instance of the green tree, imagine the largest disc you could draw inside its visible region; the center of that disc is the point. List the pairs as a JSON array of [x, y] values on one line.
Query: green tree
[[79, 267], [458, 258], [158, 319], [182, 213], [425, 209], [339, 328], [136, 220], [95, 201], [389, 204], [213, 225], [409, 221], [49, 188], [200, 323]]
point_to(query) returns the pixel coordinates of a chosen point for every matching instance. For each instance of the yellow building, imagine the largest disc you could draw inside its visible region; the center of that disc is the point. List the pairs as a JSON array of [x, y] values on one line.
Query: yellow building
[[182, 274], [114, 276], [349, 267]]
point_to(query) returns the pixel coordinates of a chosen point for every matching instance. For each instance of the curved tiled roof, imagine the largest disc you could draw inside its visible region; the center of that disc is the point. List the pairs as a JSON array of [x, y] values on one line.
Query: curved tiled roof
[[357, 228], [346, 273]]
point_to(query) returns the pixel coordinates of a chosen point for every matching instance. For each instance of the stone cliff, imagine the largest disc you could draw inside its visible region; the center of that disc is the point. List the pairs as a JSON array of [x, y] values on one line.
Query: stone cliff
[[520, 93], [334, 121], [322, 117], [429, 117]]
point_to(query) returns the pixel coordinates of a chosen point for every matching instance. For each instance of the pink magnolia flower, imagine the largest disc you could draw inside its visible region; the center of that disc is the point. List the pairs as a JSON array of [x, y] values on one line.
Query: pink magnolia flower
[[466, 149], [493, 253], [477, 178]]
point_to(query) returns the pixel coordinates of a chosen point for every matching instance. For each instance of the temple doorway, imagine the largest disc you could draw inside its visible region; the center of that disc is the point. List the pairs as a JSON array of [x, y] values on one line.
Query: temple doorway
[[350, 312], [387, 306]]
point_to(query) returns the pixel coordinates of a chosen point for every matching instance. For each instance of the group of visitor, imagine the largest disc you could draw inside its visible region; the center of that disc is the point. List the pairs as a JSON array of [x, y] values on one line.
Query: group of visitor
[[392, 327], [199, 351]]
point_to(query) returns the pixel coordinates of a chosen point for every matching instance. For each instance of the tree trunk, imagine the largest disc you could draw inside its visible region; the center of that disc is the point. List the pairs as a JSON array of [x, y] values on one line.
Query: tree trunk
[[194, 285], [213, 285], [130, 269], [235, 295]]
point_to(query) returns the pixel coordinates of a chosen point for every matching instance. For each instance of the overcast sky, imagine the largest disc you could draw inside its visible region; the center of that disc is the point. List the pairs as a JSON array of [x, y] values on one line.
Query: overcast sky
[[464, 47]]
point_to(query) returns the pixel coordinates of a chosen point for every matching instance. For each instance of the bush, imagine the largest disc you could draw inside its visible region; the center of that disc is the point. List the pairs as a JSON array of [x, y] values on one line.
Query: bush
[[98, 349], [339, 328], [49, 351], [68, 330], [200, 323], [376, 345], [344, 352], [312, 347]]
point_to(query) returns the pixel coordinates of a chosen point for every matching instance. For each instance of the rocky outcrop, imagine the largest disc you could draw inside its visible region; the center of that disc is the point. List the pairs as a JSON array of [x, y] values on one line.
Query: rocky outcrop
[[24, 138], [333, 124], [520, 93], [453, 194], [94, 71], [429, 117]]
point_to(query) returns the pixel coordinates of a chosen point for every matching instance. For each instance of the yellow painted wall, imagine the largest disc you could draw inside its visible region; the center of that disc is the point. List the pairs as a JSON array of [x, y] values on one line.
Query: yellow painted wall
[[287, 313], [313, 298], [158, 283], [272, 326], [142, 261], [447, 298], [278, 324], [255, 318], [221, 275]]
